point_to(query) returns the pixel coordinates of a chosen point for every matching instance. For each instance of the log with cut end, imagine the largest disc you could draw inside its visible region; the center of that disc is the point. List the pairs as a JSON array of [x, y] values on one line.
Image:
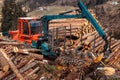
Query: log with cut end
[[3, 62], [32, 72], [31, 50], [113, 41], [26, 51], [113, 56], [93, 33], [91, 39], [99, 43], [63, 24], [22, 70], [118, 59], [99, 49], [18, 66], [10, 43], [12, 66], [114, 45], [89, 34], [68, 20]]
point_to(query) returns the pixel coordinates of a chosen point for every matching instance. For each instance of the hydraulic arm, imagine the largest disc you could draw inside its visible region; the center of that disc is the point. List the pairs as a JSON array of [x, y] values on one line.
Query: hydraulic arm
[[89, 17], [84, 14]]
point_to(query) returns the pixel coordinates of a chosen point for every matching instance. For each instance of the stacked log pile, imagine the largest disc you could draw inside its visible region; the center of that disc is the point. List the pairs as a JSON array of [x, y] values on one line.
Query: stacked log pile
[[81, 54], [90, 41], [16, 61]]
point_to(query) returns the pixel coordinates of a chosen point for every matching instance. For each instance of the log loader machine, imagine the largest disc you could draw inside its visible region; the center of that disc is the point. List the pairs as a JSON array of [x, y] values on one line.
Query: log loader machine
[[39, 38], [28, 29], [84, 13]]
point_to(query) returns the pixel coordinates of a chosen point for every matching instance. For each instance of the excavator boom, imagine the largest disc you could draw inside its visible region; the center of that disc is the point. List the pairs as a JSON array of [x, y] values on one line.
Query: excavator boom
[[84, 14]]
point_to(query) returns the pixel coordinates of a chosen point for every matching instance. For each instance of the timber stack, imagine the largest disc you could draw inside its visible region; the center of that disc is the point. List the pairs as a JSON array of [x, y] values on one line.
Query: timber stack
[[81, 55]]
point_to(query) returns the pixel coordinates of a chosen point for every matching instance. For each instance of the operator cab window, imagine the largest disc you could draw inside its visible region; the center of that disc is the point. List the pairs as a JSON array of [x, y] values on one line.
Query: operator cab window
[[35, 27], [25, 28]]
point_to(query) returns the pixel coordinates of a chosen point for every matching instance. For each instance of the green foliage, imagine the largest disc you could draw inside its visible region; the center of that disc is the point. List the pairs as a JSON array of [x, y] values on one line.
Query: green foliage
[[10, 12]]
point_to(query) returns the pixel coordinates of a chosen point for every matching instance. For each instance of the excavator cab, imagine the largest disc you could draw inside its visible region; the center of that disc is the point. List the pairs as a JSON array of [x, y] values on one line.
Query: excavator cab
[[28, 29]]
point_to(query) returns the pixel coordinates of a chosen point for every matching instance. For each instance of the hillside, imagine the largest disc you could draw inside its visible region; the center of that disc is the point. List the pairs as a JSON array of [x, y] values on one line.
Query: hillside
[[107, 12], [109, 15], [28, 4], [38, 3]]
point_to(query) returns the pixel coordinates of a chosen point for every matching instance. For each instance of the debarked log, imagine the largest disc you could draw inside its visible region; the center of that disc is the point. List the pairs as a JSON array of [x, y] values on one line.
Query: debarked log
[[12, 66], [22, 70], [26, 51], [11, 43]]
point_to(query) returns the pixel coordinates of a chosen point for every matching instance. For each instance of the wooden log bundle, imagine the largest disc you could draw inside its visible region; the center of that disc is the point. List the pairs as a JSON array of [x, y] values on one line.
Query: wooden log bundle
[[15, 61], [87, 35], [13, 67], [76, 40]]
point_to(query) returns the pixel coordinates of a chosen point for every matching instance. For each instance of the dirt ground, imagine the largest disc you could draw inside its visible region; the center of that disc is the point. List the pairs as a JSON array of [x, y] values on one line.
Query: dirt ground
[[109, 15]]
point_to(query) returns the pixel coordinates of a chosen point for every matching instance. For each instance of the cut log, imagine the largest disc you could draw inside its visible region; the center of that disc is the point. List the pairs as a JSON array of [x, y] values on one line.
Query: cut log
[[116, 47], [31, 50], [34, 71], [117, 43], [12, 66], [68, 20], [23, 69], [111, 55], [89, 40], [116, 57], [3, 61], [11, 43], [113, 59], [25, 51], [63, 24]]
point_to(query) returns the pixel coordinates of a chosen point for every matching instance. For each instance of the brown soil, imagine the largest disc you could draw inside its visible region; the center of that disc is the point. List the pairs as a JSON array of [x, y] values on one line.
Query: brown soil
[[109, 16]]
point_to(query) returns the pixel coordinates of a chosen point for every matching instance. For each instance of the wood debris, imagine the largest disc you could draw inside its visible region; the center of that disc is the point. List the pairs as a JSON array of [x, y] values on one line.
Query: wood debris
[[81, 55]]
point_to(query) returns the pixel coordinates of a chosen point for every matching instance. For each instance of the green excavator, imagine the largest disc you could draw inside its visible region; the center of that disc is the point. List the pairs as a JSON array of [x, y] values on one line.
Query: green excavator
[[84, 13]]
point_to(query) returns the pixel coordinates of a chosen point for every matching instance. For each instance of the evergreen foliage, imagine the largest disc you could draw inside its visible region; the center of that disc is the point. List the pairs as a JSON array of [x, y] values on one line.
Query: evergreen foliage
[[10, 12]]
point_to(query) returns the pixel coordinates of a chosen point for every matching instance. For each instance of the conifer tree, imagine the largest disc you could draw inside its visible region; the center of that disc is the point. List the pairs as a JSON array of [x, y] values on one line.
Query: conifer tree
[[10, 13]]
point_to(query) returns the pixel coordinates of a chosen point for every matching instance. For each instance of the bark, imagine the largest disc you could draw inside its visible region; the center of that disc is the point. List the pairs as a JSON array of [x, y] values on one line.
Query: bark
[[12, 66]]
